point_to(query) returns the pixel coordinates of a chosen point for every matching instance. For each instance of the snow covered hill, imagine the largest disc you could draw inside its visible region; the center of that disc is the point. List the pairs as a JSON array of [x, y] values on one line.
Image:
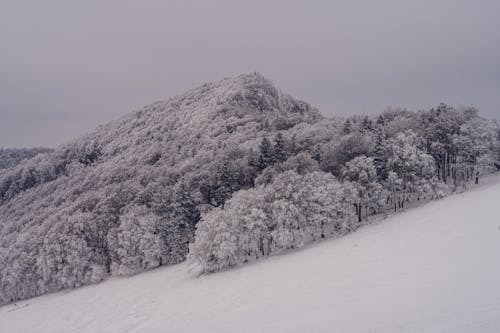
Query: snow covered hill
[[61, 212], [431, 269]]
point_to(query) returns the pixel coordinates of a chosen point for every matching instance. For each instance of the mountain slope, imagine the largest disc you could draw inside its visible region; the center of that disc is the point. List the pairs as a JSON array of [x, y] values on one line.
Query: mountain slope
[[71, 217], [435, 268]]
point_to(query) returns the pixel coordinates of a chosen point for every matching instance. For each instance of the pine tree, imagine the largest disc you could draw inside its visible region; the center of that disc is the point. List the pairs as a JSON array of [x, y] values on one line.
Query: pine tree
[[185, 207], [317, 154], [280, 154], [266, 154], [223, 188], [347, 126], [380, 121], [380, 154], [366, 125]]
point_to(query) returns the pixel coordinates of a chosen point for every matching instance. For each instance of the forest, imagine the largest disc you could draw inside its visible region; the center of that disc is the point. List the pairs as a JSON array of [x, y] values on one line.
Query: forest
[[10, 157], [225, 174]]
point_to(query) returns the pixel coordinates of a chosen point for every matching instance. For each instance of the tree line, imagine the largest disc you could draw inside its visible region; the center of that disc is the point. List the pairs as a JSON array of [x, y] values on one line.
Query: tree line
[[376, 164]]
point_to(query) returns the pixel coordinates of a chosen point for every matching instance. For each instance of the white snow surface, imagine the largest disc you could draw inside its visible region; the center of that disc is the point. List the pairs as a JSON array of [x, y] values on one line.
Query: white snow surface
[[432, 269]]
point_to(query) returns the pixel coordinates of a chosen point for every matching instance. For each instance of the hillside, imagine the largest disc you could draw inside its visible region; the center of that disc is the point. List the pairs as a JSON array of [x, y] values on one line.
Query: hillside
[[227, 173], [435, 268], [60, 212]]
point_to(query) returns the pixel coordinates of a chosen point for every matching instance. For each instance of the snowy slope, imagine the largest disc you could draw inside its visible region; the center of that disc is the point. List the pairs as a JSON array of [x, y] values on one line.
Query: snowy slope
[[432, 269]]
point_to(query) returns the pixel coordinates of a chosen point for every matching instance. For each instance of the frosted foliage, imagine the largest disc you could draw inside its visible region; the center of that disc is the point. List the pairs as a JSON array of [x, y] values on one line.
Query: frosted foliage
[[290, 212], [267, 173], [136, 244], [126, 197], [414, 167], [11, 157], [362, 175]]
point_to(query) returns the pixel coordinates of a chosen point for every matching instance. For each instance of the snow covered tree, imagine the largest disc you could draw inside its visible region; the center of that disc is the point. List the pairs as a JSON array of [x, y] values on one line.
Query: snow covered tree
[[301, 163], [136, 244], [380, 154], [380, 121], [266, 157], [220, 240], [366, 125], [10, 157], [288, 213], [346, 149], [223, 187], [475, 150], [395, 189], [362, 173], [439, 125], [347, 127], [280, 154], [411, 164]]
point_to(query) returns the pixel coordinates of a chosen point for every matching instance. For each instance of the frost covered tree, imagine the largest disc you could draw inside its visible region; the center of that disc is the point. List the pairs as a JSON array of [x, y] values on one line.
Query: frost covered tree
[[301, 163], [362, 175], [288, 213], [337, 154], [280, 154], [366, 125], [439, 125], [475, 145], [380, 154], [10, 157], [413, 166], [223, 187], [266, 157], [136, 244], [347, 127], [380, 123], [395, 189]]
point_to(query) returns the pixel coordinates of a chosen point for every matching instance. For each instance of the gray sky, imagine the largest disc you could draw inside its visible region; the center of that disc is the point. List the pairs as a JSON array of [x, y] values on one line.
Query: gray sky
[[68, 66]]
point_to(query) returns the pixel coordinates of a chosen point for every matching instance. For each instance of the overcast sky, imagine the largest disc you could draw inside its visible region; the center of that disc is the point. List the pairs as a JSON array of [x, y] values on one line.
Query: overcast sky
[[68, 66]]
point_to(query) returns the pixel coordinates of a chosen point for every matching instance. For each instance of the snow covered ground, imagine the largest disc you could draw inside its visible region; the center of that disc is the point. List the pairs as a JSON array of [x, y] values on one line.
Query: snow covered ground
[[432, 269]]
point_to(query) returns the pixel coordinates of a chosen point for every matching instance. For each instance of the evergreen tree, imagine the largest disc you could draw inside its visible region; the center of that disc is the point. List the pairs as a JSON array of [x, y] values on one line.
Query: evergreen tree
[[317, 154], [266, 154], [347, 126], [380, 154], [184, 207], [380, 121], [366, 125], [253, 166], [280, 154], [223, 188]]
